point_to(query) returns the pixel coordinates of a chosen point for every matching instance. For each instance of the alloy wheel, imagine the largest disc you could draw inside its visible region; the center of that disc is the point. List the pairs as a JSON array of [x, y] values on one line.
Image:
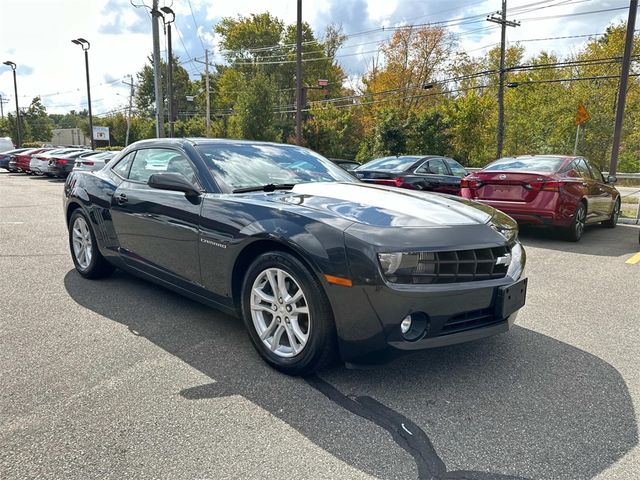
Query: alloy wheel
[[580, 221], [82, 245], [280, 312], [616, 213]]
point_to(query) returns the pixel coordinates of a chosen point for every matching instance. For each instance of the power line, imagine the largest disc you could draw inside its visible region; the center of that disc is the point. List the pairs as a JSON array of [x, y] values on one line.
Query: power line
[[574, 14], [477, 18], [572, 79], [483, 73], [196, 25]]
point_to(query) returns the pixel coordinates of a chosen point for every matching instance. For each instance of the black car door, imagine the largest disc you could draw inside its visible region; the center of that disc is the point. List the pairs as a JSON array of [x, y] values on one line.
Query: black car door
[[435, 177], [158, 230]]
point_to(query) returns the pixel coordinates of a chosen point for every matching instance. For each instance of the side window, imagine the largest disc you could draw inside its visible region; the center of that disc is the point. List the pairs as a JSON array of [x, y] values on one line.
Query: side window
[[437, 167], [158, 160], [595, 173], [457, 169], [424, 168], [123, 166], [582, 168]]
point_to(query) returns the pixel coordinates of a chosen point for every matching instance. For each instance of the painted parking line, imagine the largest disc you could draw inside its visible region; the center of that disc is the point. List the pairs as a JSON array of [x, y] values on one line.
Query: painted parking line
[[635, 259]]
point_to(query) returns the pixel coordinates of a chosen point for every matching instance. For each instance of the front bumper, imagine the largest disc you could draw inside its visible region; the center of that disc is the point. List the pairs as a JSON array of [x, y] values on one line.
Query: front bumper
[[546, 209], [368, 317]]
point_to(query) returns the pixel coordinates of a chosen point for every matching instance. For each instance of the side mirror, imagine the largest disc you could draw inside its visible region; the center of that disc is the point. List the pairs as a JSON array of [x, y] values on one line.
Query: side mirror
[[612, 179], [172, 181]]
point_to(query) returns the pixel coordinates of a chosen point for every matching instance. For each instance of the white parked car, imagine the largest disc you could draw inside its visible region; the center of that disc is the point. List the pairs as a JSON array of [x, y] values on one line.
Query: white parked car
[[93, 161], [40, 162]]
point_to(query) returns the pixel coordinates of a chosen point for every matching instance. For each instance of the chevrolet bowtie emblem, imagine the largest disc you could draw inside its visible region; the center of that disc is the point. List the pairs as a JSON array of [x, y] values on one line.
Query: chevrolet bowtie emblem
[[505, 260]]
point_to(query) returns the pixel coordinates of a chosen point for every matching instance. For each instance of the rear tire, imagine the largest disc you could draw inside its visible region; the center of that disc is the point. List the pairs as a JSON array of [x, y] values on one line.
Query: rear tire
[[576, 229], [86, 256], [287, 314], [613, 220]]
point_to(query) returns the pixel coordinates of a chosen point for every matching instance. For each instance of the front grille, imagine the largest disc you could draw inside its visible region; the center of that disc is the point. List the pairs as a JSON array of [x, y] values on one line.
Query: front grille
[[457, 266], [469, 321]]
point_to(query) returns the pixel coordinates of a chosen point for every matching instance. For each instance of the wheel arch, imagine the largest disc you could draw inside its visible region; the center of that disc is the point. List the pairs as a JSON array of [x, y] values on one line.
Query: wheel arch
[[252, 251], [71, 207]]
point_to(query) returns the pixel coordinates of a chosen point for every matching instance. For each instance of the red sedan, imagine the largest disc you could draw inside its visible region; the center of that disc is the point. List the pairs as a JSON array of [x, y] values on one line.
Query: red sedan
[[559, 191], [22, 160]]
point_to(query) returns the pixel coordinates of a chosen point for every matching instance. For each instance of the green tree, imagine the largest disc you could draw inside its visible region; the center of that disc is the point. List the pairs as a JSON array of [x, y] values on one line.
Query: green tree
[[333, 132], [428, 133], [254, 117], [144, 96], [389, 136]]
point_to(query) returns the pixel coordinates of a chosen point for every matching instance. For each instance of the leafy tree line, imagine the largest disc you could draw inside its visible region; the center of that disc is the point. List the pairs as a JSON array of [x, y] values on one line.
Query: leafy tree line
[[419, 95]]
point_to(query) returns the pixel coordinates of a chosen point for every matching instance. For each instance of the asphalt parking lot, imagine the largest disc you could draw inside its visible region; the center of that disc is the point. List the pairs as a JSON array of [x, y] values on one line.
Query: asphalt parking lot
[[122, 379]]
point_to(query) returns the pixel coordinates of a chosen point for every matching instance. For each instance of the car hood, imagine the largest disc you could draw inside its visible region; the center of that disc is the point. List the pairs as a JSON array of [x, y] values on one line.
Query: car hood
[[380, 206]]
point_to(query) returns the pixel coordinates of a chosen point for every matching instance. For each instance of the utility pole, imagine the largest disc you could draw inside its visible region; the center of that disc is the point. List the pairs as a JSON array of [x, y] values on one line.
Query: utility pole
[[2, 102], [15, 89], [622, 89], [501, 18], [206, 83], [126, 142], [299, 75], [157, 84], [168, 11]]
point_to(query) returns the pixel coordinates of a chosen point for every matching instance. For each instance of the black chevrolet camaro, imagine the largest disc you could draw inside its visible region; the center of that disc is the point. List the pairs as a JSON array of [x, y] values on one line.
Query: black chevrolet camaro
[[314, 261]]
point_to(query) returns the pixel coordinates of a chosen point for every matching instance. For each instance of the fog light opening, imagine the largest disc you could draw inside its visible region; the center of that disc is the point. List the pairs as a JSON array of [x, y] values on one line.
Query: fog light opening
[[414, 326]]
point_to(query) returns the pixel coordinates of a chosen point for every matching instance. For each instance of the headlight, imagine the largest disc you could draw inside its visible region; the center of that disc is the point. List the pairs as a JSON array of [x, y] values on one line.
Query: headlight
[[398, 263], [510, 234]]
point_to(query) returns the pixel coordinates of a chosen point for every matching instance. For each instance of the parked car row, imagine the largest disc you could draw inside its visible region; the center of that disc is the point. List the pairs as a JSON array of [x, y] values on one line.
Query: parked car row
[[558, 191], [53, 161]]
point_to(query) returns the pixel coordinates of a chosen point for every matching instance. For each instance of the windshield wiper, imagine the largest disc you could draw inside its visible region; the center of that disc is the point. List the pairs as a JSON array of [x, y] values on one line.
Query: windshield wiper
[[269, 187]]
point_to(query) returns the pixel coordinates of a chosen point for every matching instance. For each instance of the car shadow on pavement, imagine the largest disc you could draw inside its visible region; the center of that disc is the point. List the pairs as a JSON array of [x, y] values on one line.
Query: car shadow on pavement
[[597, 240], [520, 405]]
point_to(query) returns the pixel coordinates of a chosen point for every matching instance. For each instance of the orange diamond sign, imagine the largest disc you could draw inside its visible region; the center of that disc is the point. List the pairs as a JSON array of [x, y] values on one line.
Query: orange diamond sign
[[582, 115]]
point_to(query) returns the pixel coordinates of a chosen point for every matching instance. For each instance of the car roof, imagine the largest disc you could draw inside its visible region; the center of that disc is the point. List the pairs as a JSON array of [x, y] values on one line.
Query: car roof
[[565, 157], [207, 141]]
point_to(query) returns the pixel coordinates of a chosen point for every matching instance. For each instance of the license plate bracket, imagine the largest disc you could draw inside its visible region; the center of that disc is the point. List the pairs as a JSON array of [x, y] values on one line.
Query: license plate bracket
[[511, 298]]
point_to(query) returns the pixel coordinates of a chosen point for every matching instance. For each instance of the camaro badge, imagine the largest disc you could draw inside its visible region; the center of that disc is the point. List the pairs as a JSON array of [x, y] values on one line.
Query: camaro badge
[[505, 260], [211, 242]]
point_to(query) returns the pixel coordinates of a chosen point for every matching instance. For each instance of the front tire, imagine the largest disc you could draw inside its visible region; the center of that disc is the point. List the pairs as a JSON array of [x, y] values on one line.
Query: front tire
[[613, 219], [287, 314], [86, 256]]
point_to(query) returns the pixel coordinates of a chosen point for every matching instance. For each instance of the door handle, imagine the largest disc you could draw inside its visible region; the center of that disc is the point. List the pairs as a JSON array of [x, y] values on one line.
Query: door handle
[[121, 199]]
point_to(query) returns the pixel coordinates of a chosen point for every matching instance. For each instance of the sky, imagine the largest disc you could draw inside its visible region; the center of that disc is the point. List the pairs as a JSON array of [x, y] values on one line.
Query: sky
[[37, 34]]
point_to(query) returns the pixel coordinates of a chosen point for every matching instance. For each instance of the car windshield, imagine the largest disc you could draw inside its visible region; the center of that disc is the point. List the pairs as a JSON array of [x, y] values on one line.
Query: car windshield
[[246, 165], [535, 164], [395, 164]]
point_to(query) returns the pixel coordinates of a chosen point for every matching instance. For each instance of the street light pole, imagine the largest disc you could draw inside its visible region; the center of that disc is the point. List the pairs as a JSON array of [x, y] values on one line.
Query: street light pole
[[168, 11], [15, 89], [85, 45]]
